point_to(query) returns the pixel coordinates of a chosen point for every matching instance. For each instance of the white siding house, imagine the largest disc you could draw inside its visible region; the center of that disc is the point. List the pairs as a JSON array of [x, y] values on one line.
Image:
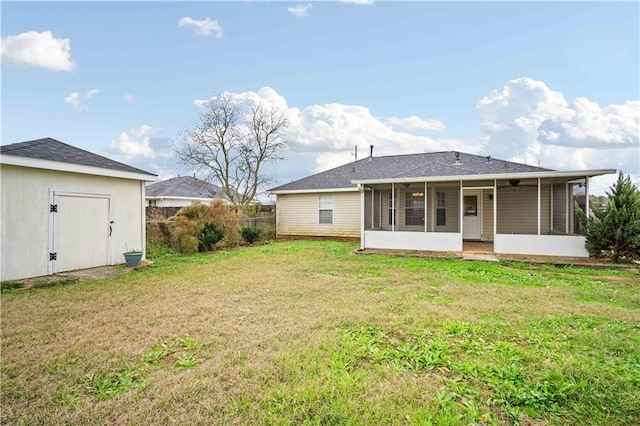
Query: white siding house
[[64, 208], [437, 201]]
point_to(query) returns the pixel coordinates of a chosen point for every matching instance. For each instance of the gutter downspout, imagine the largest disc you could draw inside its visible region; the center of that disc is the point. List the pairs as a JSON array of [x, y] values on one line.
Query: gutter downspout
[[362, 233]]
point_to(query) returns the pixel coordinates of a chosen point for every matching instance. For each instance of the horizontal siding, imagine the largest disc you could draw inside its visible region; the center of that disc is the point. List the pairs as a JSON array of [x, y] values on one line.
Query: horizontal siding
[[560, 208], [298, 214], [518, 211], [487, 215]]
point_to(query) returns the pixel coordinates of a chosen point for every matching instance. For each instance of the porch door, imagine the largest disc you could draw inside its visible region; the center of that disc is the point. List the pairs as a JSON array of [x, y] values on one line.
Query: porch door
[[472, 219]]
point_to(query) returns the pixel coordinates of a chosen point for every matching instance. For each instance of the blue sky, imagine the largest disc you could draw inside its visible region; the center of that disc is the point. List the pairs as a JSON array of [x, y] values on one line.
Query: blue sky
[[555, 84]]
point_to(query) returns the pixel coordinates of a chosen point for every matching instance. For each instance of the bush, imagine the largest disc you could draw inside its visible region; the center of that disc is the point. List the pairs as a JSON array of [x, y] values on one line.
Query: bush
[[188, 244], [614, 232], [209, 236], [192, 220], [251, 234]]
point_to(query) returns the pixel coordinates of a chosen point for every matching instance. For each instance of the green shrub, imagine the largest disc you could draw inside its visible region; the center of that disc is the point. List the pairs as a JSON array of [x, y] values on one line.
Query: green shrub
[[615, 231], [251, 234], [209, 236], [188, 244]]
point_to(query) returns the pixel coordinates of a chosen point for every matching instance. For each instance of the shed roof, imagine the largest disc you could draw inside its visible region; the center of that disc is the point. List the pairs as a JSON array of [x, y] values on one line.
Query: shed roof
[[184, 186], [53, 150], [430, 164]]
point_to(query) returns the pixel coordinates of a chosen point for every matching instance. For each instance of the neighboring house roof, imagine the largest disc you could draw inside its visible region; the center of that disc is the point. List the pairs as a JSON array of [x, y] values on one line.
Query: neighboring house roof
[[184, 187], [53, 150], [407, 166]]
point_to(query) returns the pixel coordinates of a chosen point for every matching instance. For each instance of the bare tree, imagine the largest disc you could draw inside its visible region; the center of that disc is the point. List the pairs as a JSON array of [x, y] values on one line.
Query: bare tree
[[231, 145]]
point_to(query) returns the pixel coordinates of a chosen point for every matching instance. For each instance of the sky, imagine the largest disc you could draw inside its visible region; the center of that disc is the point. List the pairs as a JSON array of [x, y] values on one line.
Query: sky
[[555, 84]]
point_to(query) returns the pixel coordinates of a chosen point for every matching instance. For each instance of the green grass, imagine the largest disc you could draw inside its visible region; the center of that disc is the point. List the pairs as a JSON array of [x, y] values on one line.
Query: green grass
[[308, 333]]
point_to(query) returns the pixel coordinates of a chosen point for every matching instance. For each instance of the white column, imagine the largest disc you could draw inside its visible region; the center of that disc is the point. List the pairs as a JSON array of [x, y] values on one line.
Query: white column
[[425, 207], [495, 209], [538, 206], [460, 213], [586, 195], [361, 187], [566, 210], [143, 222], [551, 208], [373, 208], [393, 207]]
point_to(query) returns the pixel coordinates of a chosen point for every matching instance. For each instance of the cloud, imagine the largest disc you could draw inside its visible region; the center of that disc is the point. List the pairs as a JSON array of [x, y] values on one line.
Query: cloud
[[203, 27], [38, 50], [527, 121], [326, 135], [78, 100], [358, 2], [416, 123], [129, 98], [301, 10]]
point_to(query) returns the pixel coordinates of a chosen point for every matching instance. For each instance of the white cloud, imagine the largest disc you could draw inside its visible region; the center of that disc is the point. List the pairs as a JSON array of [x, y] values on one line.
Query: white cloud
[[134, 143], [416, 123], [129, 98], [38, 50], [330, 132], [359, 2], [301, 10], [204, 27], [527, 121], [78, 100]]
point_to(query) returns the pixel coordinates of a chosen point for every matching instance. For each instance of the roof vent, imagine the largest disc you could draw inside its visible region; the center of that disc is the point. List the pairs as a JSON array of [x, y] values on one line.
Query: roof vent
[[488, 158], [457, 162]]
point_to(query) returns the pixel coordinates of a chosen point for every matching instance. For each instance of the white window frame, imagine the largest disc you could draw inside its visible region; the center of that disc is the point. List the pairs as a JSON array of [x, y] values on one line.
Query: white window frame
[[325, 205]]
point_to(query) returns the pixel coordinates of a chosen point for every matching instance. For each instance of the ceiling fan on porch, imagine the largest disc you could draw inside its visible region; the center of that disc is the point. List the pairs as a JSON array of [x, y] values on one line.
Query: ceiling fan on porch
[[515, 184]]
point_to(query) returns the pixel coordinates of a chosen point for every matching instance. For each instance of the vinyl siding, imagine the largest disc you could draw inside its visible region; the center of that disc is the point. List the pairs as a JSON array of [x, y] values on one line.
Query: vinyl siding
[[518, 212], [560, 208], [487, 215], [298, 214]]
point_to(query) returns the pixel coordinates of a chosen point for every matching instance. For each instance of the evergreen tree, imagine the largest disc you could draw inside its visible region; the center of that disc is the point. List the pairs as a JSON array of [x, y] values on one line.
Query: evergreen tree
[[615, 231]]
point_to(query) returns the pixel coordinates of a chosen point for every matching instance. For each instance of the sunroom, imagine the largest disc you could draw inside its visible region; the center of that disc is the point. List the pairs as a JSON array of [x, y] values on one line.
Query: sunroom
[[514, 213]]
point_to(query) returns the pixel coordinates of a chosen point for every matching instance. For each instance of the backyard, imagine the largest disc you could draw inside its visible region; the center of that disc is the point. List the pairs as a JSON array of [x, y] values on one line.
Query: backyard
[[300, 332]]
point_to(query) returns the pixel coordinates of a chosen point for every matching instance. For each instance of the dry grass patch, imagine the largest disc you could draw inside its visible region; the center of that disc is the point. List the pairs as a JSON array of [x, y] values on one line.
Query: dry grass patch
[[307, 332]]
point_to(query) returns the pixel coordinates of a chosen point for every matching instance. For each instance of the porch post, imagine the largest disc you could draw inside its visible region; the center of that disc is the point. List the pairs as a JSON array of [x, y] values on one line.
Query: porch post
[[551, 209], [393, 207], [538, 206], [586, 195], [425, 207], [566, 212], [495, 210], [373, 207], [361, 188], [461, 212]]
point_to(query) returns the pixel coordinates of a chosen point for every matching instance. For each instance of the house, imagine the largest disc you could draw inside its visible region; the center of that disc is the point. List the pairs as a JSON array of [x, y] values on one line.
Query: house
[[64, 208], [438, 202], [182, 191]]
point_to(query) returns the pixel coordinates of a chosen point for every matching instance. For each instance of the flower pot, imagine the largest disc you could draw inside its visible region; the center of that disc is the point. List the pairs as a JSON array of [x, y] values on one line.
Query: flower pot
[[132, 258]]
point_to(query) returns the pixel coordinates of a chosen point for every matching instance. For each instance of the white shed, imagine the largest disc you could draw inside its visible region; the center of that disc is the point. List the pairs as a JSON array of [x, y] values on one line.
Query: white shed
[[64, 208]]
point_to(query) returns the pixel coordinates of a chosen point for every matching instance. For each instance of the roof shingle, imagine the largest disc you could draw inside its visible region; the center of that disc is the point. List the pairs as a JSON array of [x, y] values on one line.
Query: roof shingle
[[406, 166], [184, 186], [54, 150]]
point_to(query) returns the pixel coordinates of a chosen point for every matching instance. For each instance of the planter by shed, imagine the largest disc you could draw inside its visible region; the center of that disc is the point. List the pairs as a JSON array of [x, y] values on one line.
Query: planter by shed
[[132, 258]]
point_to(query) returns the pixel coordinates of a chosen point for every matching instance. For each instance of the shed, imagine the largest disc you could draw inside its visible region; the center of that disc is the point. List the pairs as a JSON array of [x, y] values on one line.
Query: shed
[[64, 208]]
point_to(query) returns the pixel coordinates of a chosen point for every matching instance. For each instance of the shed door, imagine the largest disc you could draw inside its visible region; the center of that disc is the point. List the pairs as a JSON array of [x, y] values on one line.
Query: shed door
[[81, 231]]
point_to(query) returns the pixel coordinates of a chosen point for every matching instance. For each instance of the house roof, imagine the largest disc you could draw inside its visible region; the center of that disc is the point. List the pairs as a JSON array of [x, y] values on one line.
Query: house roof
[[184, 187], [53, 150], [424, 165]]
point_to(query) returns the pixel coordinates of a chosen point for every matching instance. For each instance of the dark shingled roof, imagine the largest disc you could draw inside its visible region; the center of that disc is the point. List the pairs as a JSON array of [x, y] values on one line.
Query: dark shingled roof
[[184, 186], [54, 150], [430, 164]]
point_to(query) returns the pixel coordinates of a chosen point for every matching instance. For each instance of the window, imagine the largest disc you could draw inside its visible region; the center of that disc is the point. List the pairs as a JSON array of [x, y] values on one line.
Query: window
[[326, 209], [470, 205], [414, 208], [152, 203], [441, 208], [392, 210]]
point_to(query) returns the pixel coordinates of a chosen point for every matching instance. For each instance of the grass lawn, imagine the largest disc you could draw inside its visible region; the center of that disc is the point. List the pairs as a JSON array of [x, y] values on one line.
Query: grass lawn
[[308, 333]]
